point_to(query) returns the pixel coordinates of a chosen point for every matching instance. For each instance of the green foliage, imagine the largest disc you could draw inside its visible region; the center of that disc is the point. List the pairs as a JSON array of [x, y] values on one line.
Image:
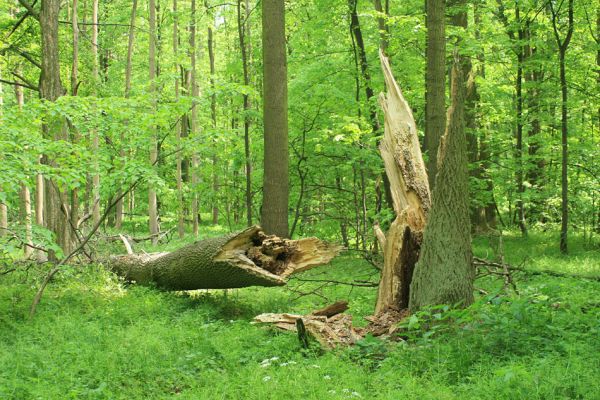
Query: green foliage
[[95, 337]]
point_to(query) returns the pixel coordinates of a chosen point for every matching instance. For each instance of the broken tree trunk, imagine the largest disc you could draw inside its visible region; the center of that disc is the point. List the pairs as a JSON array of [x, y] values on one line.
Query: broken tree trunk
[[245, 258], [405, 169]]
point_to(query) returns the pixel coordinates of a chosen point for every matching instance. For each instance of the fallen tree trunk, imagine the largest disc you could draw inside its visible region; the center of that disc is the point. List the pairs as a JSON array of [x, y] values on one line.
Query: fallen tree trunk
[[241, 259]]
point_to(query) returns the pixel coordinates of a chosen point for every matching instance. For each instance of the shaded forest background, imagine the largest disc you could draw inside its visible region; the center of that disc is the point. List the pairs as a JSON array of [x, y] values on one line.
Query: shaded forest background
[[186, 123]]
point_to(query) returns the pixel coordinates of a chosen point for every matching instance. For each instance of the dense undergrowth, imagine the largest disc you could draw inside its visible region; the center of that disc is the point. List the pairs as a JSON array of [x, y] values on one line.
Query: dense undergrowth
[[95, 337]]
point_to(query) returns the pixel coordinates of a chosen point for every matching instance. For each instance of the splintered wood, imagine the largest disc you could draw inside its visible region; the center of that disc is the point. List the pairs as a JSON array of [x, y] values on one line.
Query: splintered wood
[[331, 328], [328, 325], [404, 166]]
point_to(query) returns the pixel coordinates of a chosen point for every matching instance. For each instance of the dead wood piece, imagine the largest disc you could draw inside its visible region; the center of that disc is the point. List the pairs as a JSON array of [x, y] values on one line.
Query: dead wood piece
[[331, 310], [405, 169], [241, 259], [328, 332]]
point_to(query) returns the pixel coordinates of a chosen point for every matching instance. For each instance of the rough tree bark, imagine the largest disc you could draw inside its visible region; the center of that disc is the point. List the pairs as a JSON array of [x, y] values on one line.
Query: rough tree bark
[[56, 208], [274, 213], [241, 259], [435, 83], [444, 273], [405, 169]]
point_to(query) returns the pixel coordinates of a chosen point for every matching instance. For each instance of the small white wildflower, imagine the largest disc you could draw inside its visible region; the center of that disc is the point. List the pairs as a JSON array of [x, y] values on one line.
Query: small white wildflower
[[274, 359], [356, 394], [266, 378], [327, 377], [346, 390], [265, 363], [292, 362]]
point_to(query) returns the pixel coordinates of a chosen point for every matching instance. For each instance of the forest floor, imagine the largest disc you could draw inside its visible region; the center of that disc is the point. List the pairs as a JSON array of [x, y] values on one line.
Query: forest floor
[[95, 337]]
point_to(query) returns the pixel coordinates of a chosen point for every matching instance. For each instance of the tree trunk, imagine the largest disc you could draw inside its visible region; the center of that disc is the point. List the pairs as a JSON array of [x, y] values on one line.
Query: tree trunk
[[25, 195], [39, 212], [243, 33], [444, 273], [178, 126], [405, 169], [274, 214], [194, 120], [3, 219], [213, 116], [152, 204], [563, 44], [95, 144], [382, 24], [519, 146], [131, 37], [435, 83], [56, 208], [3, 208], [246, 258]]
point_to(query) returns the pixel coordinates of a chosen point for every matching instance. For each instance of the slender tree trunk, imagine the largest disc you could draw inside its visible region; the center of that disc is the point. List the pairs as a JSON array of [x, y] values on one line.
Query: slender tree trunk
[[519, 131], [274, 215], [25, 195], [384, 30], [563, 45], [444, 273], [194, 120], [533, 77], [213, 115], [39, 211], [3, 219], [176, 67], [356, 33], [95, 144], [243, 33], [3, 207], [435, 83], [76, 137], [152, 204], [130, 41]]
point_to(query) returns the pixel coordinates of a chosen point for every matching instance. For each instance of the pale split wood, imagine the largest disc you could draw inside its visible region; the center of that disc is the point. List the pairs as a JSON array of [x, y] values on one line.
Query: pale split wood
[[405, 168]]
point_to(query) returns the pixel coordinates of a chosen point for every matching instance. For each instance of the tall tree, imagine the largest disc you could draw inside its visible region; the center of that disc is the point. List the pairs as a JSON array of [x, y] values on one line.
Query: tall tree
[[274, 213], [95, 144], [25, 195], [243, 22], [56, 209], [152, 204], [563, 44], [435, 83], [194, 119], [178, 127], [213, 117], [119, 209], [3, 207]]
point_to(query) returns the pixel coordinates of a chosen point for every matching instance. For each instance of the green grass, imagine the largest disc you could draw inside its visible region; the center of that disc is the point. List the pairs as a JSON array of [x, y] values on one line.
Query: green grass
[[97, 338]]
